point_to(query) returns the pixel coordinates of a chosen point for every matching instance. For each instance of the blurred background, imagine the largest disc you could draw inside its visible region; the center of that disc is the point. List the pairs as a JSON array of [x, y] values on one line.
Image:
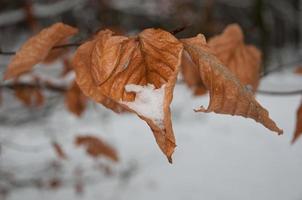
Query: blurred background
[[218, 157]]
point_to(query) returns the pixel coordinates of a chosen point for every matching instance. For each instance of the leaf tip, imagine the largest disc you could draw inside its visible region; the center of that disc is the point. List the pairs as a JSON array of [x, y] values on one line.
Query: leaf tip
[[170, 160], [280, 132], [295, 138]]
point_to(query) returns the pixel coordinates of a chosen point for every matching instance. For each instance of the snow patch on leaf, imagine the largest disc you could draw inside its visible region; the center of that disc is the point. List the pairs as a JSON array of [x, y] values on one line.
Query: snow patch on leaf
[[148, 102]]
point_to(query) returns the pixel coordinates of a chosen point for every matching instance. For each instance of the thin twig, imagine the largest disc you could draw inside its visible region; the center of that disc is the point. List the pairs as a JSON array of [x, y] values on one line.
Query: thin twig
[[178, 30], [67, 45], [280, 67], [280, 93], [46, 86], [10, 53]]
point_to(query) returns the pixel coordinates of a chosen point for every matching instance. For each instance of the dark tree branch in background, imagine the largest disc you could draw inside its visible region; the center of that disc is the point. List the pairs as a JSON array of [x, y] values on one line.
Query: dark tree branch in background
[[280, 93], [180, 29], [67, 45], [11, 53], [290, 64], [39, 11], [44, 86], [56, 88]]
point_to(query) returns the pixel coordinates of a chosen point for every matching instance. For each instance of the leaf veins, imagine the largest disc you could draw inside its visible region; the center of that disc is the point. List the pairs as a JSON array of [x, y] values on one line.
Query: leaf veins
[[227, 94], [37, 48], [108, 65]]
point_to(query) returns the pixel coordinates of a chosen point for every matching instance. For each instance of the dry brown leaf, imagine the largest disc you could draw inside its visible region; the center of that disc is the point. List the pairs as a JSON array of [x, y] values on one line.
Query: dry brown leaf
[[81, 64], [298, 70], [75, 100], [227, 94], [191, 75], [37, 48], [298, 130], [242, 60], [59, 150], [95, 147], [57, 53], [29, 96], [118, 70]]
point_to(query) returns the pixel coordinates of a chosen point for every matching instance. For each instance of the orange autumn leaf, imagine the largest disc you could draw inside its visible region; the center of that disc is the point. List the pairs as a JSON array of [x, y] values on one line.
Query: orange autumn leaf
[[81, 64], [37, 48], [75, 101], [56, 53], [58, 150], [298, 70], [227, 94], [136, 73], [298, 130], [95, 147], [242, 60], [29, 96], [191, 75]]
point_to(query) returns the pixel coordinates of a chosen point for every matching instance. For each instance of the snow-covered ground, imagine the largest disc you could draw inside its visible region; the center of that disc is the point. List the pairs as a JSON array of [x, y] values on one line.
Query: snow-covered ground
[[217, 157]]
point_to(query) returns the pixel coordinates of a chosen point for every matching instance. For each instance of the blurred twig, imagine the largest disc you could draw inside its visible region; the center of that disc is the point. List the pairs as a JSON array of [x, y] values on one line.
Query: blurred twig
[[38, 85], [10, 53], [39, 11]]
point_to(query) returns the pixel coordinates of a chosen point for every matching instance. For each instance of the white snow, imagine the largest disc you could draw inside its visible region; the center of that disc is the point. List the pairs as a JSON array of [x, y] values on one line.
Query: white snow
[[217, 157], [148, 101]]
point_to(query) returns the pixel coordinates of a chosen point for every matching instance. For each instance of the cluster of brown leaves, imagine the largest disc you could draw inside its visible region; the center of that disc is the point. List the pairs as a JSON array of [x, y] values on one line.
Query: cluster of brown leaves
[[108, 63]]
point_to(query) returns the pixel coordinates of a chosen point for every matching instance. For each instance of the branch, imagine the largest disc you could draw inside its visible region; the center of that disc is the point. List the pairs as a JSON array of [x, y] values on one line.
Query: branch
[[178, 30], [10, 53], [38, 85], [39, 11], [280, 93], [280, 67]]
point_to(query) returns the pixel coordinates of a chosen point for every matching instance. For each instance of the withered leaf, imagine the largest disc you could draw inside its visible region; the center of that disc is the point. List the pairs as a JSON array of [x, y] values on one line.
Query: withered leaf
[[298, 130], [298, 70], [81, 64], [242, 60], [191, 75], [59, 150], [75, 100], [37, 48], [56, 53], [227, 94], [121, 69], [96, 147], [29, 96]]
